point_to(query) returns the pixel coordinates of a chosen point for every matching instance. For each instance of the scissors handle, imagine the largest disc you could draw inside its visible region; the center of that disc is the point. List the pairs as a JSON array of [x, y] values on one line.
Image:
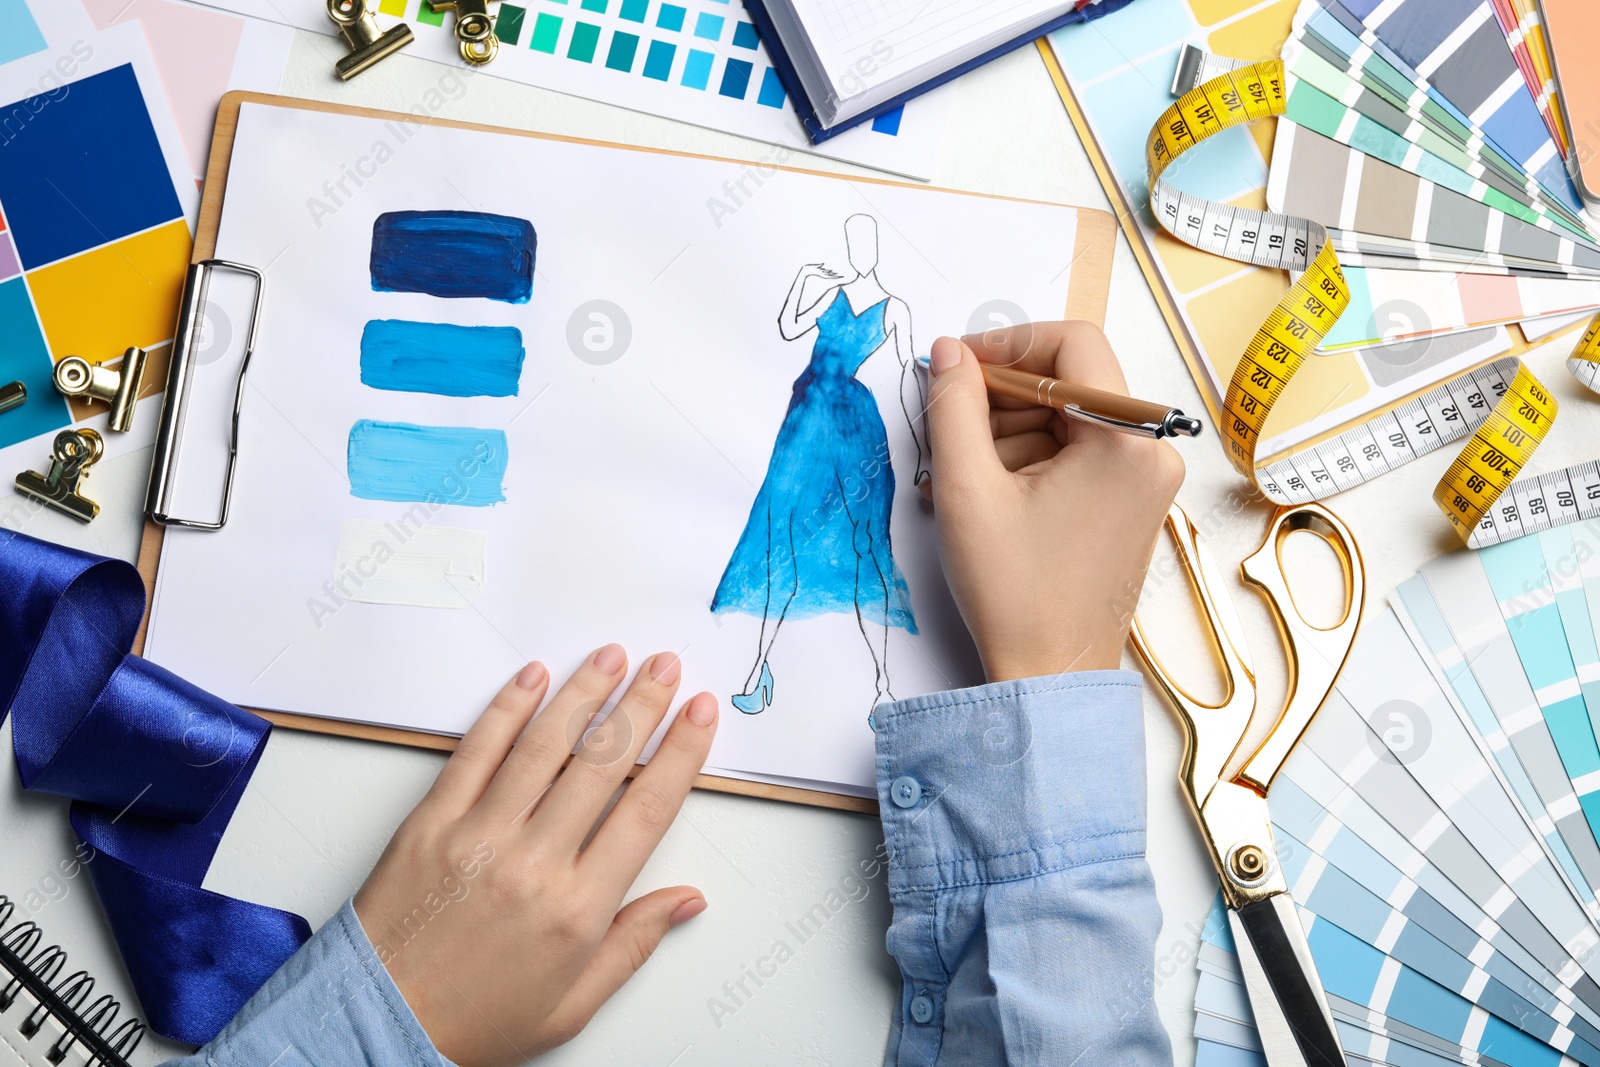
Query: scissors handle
[[1211, 731], [1315, 654]]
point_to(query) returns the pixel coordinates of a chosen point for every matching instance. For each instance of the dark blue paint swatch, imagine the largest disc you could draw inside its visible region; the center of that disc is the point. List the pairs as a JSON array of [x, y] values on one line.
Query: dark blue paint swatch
[[437, 357], [433, 464], [454, 254]]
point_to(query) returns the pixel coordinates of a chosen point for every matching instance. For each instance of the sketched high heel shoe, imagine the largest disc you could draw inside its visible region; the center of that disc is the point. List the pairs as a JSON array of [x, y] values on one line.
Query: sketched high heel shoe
[[758, 699]]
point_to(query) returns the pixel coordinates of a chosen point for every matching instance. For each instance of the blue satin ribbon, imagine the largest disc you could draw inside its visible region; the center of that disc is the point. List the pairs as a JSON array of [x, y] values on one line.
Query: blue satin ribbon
[[154, 767]]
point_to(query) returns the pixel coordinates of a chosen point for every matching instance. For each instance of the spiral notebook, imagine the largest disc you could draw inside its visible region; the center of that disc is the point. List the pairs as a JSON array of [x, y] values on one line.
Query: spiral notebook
[[49, 1013]]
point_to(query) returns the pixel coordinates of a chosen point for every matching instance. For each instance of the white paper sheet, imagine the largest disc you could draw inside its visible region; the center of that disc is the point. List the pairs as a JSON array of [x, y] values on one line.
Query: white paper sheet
[[629, 481]]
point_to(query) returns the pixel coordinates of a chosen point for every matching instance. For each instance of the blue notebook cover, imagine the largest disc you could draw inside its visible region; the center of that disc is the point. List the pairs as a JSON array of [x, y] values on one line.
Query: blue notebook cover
[[808, 114]]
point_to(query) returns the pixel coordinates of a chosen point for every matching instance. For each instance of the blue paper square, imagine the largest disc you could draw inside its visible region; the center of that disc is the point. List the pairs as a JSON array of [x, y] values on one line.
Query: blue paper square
[[670, 17], [84, 169], [24, 358], [745, 36]]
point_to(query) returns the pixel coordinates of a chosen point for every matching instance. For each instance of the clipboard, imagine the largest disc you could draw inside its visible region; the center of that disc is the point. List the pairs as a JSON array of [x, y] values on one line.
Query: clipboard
[[1091, 279]]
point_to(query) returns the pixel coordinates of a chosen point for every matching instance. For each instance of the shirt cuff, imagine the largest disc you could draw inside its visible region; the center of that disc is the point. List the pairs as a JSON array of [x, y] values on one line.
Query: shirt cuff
[[332, 1002], [1011, 780]]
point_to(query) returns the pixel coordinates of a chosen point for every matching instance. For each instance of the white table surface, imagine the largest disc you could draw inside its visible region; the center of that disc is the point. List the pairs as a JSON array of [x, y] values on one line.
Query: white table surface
[[318, 811]]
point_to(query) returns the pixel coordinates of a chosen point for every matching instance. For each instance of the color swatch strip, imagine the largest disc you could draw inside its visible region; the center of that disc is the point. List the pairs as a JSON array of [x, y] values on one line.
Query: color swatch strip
[[402, 461], [454, 254], [440, 358]]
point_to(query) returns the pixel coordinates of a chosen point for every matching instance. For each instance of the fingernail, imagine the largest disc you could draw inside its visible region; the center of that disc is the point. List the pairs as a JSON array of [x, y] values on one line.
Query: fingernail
[[665, 667], [686, 911], [946, 353], [702, 710], [610, 659], [532, 676]]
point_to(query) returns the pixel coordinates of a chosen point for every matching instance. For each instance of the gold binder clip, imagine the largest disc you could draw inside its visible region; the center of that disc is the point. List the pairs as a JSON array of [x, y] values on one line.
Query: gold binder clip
[[75, 452], [13, 396], [358, 25], [474, 28], [77, 377]]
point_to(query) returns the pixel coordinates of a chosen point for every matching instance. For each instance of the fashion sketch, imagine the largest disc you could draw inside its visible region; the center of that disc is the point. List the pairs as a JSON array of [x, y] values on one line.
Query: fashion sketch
[[817, 540]]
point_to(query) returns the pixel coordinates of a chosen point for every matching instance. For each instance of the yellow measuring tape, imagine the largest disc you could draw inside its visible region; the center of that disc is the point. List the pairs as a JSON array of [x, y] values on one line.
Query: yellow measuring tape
[[1502, 405]]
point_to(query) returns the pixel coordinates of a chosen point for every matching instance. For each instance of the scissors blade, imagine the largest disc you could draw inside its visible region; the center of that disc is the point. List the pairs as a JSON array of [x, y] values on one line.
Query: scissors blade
[[1285, 992]]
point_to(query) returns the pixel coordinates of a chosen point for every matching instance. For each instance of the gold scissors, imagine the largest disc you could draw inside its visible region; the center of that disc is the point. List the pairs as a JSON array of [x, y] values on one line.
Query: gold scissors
[[1227, 778]]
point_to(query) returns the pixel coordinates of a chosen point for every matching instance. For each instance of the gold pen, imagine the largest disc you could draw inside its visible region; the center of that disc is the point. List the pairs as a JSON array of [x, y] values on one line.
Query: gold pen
[[1097, 407]]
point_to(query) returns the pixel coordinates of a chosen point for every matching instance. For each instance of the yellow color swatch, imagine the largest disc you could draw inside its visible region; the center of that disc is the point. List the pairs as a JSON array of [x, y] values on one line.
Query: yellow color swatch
[[1258, 37], [125, 293], [395, 7], [1211, 12]]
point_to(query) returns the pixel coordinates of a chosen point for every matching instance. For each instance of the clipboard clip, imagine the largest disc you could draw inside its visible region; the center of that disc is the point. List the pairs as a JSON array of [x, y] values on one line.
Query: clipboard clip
[[180, 372]]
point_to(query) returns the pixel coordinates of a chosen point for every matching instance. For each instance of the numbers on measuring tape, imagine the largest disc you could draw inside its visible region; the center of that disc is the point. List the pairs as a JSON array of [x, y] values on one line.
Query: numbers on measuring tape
[[1501, 406]]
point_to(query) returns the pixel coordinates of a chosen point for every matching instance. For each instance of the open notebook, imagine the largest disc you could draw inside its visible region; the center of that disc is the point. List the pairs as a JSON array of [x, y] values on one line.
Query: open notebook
[[846, 61]]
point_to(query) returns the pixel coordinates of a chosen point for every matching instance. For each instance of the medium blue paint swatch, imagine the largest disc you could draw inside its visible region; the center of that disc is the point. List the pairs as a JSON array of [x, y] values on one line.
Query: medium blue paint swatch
[[454, 254], [437, 357], [434, 464]]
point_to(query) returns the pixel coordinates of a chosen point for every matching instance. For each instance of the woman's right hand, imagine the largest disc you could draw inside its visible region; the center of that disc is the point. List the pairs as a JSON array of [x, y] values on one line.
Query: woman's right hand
[[818, 270], [1046, 525]]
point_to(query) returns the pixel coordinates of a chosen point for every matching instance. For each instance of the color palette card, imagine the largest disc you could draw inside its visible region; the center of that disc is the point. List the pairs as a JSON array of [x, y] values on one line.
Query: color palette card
[[200, 54], [95, 197], [697, 61], [1440, 822], [1118, 71]]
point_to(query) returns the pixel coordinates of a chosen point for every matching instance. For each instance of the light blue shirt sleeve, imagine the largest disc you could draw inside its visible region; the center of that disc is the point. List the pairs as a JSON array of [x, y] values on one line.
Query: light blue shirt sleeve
[[331, 1003], [1025, 917], [1024, 913]]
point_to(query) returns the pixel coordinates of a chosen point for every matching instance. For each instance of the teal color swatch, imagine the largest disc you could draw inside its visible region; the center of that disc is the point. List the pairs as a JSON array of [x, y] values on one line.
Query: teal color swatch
[[24, 358], [634, 10], [402, 461], [658, 61], [670, 17], [697, 69], [509, 25], [772, 93], [745, 36], [546, 33], [585, 35], [623, 48], [708, 26], [735, 79]]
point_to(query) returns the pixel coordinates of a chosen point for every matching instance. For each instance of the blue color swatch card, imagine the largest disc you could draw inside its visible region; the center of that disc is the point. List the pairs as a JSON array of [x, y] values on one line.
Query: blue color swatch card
[[697, 61], [1438, 823]]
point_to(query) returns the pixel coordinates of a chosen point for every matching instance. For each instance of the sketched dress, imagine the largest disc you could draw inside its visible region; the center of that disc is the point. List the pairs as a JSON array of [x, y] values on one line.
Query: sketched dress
[[817, 540]]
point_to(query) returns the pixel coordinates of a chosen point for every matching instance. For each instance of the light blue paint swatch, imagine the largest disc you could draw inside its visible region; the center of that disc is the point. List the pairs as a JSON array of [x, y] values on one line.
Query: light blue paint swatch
[[437, 357], [431, 464]]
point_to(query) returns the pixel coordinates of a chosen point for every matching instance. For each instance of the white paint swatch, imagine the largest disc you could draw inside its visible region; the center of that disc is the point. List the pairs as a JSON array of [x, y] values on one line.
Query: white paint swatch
[[401, 563]]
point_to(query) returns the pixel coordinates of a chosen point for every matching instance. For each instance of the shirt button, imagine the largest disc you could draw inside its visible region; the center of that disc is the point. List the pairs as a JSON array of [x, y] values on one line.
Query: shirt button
[[905, 791], [921, 1008]]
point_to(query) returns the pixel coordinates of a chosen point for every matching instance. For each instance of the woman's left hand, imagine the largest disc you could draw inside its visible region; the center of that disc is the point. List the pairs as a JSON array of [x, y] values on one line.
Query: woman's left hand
[[493, 909]]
